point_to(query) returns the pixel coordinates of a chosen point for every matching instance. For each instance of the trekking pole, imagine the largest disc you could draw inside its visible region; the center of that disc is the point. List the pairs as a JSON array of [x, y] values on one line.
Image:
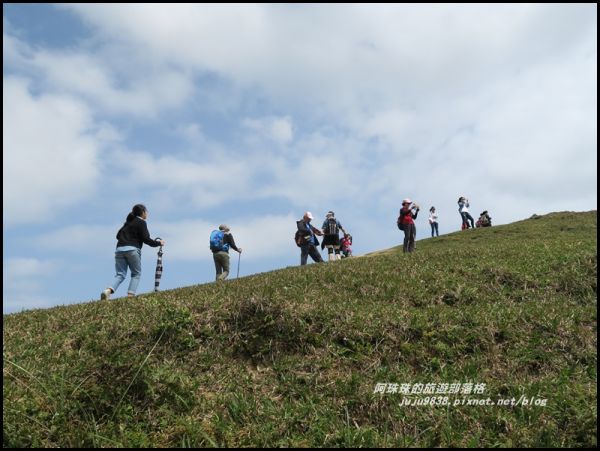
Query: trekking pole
[[239, 258], [159, 268]]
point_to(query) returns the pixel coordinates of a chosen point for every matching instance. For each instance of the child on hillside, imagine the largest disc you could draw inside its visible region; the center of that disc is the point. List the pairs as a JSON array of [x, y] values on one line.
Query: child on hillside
[[346, 243]]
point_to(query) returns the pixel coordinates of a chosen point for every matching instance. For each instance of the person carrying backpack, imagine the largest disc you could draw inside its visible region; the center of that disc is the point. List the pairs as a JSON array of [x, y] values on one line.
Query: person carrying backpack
[[128, 254], [220, 242], [331, 229], [346, 245], [406, 223], [463, 209], [307, 241], [485, 220], [433, 220]]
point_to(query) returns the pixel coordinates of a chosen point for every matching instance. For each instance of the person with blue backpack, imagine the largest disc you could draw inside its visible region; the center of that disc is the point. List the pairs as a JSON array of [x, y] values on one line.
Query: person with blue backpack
[[220, 242]]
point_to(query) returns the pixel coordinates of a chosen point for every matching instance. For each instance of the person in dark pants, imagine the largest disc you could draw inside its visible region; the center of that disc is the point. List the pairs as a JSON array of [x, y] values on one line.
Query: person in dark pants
[[309, 241], [331, 239], [463, 209], [433, 220], [220, 242], [406, 223], [128, 254]]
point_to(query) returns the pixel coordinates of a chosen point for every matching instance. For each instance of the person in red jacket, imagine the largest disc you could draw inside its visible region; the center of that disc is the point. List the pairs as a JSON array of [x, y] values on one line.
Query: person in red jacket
[[406, 223], [347, 245]]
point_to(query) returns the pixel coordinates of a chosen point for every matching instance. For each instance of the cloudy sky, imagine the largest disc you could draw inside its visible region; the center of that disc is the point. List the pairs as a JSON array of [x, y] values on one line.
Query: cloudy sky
[[251, 114]]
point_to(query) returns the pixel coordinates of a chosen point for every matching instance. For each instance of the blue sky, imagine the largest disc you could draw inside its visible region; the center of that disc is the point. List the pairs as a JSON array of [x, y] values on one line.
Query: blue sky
[[252, 114]]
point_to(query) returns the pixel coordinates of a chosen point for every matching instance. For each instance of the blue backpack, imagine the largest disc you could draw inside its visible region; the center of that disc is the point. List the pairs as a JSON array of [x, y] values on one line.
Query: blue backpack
[[216, 241]]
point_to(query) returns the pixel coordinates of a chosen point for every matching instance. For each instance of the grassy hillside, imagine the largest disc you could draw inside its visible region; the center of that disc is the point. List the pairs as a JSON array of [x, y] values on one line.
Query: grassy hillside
[[292, 357]]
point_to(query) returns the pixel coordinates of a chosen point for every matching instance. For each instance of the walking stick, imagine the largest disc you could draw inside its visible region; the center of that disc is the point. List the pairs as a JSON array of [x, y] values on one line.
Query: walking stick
[[159, 269], [239, 258]]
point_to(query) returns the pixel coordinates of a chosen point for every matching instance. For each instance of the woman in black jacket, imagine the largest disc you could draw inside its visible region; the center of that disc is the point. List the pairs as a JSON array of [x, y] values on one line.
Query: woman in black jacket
[[130, 239]]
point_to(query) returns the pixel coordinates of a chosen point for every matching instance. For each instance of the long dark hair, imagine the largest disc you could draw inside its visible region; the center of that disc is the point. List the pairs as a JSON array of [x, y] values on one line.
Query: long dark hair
[[137, 210]]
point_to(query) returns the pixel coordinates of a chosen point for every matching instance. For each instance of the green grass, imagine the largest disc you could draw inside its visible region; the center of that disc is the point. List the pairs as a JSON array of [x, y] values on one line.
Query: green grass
[[292, 357]]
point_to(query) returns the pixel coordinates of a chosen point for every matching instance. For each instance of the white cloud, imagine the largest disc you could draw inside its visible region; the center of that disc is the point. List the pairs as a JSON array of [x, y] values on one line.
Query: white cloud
[[182, 179], [17, 268], [112, 83], [378, 55], [410, 87], [80, 238], [278, 129], [23, 280], [191, 132], [49, 153]]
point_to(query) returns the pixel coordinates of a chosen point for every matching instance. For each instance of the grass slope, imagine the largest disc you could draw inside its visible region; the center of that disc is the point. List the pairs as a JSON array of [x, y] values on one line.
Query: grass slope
[[292, 357]]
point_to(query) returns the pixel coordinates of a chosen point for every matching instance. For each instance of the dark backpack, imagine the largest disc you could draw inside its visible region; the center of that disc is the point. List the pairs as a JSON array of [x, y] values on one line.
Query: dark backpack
[[399, 223], [332, 227], [299, 238]]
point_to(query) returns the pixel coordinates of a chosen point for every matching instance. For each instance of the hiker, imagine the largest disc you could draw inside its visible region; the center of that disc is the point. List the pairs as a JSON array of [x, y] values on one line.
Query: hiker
[[485, 220], [331, 229], [306, 239], [433, 221], [463, 209], [406, 223], [346, 243], [128, 254], [220, 242]]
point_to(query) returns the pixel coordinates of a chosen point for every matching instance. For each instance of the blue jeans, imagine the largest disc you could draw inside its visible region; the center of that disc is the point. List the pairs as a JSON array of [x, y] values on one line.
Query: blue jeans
[[309, 249], [123, 260], [434, 228]]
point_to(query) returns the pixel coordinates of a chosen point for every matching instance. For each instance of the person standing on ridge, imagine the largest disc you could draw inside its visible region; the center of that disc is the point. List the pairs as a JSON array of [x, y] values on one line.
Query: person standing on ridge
[[220, 242], [306, 239], [331, 229], [463, 209], [433, 220], [406, 223]]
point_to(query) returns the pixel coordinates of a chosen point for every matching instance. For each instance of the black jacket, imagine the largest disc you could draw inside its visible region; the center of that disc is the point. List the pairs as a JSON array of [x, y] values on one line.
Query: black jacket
[[306, 234], [135, 233]]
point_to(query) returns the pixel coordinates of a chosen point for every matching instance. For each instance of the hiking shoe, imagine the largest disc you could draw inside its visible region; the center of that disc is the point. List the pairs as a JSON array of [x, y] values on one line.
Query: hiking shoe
[[105, 295]]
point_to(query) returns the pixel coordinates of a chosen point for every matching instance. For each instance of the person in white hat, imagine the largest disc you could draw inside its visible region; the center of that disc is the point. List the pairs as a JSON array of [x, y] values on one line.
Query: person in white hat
[[406, 223], [306, 239]]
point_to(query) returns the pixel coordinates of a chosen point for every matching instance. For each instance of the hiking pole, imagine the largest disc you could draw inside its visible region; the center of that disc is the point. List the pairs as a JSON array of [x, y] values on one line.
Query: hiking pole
[[159, 269], [239, 258]]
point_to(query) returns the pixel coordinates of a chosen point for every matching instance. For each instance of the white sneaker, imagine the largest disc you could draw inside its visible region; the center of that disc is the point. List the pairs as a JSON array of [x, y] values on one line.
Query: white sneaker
[[105, 295]]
